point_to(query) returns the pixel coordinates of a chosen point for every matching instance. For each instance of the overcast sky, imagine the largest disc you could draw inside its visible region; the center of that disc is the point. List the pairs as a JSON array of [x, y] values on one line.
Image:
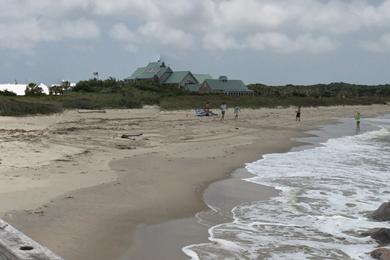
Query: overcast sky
[[265, 41]]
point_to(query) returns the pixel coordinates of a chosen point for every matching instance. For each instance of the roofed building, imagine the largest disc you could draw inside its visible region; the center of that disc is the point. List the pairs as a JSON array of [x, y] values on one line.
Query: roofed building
[[193, 87], [202, 77], [225, 86], [154, 71], [181, 79], [203, 83]]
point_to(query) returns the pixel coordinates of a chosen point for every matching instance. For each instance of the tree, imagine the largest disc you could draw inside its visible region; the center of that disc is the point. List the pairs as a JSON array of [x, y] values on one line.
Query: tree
[[33, 89]]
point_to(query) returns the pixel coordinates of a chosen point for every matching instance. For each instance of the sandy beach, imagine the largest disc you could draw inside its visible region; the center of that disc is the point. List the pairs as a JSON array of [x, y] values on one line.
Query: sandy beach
[[72, 183]]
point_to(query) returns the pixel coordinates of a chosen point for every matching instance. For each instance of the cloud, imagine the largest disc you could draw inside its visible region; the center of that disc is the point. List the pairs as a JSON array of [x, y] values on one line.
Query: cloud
[[220, 41], [381, 45], [284, 44], [24, 35], [151, 33], [283, 26]]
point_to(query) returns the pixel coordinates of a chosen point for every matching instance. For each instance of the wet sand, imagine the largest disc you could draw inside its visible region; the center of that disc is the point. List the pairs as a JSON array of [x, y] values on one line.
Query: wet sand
[[90, 194], [223, 195]]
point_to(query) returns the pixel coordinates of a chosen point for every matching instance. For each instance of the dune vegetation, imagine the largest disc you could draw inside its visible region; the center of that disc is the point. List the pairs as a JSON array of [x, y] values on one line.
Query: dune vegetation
[[111, 93]]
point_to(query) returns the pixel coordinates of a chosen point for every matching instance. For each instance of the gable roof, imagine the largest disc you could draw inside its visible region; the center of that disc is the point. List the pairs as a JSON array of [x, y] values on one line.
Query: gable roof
[[137, 73], [202, 77], [177, 77], [227, 86], [150, 71], [193, 87]]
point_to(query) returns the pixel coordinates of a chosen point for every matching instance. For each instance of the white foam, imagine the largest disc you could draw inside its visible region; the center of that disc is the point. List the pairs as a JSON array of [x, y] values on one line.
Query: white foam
[[326, 194]]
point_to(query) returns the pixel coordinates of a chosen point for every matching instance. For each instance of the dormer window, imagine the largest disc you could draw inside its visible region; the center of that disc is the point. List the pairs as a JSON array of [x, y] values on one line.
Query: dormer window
[[223, 78]]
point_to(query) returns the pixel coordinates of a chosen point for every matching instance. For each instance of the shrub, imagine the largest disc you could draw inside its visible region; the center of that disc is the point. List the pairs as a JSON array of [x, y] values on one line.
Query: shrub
[[33, 90], [7, 93]]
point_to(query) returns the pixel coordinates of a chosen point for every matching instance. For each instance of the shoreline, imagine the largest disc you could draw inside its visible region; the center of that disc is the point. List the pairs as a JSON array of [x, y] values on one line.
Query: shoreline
[[220, 197], [150, 187], [310, 139]]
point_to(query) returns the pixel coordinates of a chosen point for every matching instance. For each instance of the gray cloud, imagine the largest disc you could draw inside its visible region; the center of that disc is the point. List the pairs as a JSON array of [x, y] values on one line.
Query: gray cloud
[[107, 35], [381, 45], [217, 25]]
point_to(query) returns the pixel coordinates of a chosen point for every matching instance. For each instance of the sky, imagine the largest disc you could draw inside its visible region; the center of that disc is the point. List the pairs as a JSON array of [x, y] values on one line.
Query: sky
[[258, 41]]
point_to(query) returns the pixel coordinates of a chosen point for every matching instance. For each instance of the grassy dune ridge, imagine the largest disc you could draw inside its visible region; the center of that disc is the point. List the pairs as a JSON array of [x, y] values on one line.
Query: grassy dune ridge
[[100, 94]]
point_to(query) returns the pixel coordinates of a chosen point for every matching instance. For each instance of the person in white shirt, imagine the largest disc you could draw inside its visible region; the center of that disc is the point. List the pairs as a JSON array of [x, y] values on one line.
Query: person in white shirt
[[223, 110]]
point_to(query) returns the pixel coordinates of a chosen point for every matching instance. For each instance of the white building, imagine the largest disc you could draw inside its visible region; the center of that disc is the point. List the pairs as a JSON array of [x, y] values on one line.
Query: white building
[[19, 89]]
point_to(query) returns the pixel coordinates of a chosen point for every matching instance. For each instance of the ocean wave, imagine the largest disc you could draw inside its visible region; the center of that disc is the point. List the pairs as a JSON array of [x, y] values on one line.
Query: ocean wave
[[327, 193]]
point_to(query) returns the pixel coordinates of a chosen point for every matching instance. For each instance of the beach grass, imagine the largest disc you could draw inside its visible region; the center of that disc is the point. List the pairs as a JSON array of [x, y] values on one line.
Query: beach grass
[[119, 94], [17, 106]]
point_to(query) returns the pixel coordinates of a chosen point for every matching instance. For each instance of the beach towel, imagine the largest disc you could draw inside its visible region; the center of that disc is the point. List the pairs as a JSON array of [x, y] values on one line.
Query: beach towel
[[201, 113]]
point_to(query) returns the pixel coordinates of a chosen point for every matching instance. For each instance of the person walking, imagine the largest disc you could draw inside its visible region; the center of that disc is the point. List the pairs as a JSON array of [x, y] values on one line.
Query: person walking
[[237, 110], [357, 119], [223, 110], [298, 116]]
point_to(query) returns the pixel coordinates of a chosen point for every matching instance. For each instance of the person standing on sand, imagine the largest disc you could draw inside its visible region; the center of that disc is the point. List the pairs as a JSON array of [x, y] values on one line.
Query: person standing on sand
[[237, 110], [207, 109], [298, 116], [223, 110], [357, 119]]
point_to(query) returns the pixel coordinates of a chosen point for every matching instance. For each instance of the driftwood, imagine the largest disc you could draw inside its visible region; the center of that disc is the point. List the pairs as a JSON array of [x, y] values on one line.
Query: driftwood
[[129, 136], [91, 111], [14, 245]]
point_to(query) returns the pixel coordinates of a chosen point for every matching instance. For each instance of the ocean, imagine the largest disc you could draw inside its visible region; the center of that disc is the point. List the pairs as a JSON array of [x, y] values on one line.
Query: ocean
[[327, 191]]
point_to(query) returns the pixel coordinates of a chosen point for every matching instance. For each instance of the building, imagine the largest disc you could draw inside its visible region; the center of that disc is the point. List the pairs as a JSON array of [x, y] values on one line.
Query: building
[[225, 86], [202, 77], [59, 88], [164, 75], [19, 89], [181, 79], [203, 83], [154, 71]]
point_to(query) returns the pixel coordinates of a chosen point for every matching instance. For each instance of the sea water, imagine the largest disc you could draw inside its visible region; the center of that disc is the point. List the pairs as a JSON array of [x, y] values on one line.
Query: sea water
[[327, 194]]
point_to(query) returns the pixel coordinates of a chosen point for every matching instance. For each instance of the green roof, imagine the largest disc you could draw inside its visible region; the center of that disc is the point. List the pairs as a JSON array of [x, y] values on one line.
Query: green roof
[[202, 77], [137, 73], [193, 87], [227, 86], [162, 71], [149, 72], [177, 77]]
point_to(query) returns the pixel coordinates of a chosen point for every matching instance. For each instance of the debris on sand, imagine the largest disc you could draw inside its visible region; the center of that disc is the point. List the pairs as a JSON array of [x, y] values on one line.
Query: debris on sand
[[125, 147], [91, 111], [130, 136]]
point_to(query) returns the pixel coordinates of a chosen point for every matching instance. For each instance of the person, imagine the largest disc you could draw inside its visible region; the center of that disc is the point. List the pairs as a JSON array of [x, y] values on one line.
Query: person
[[223, 110], [298, 116], [236, 112], [207, 109], [357, 119]]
